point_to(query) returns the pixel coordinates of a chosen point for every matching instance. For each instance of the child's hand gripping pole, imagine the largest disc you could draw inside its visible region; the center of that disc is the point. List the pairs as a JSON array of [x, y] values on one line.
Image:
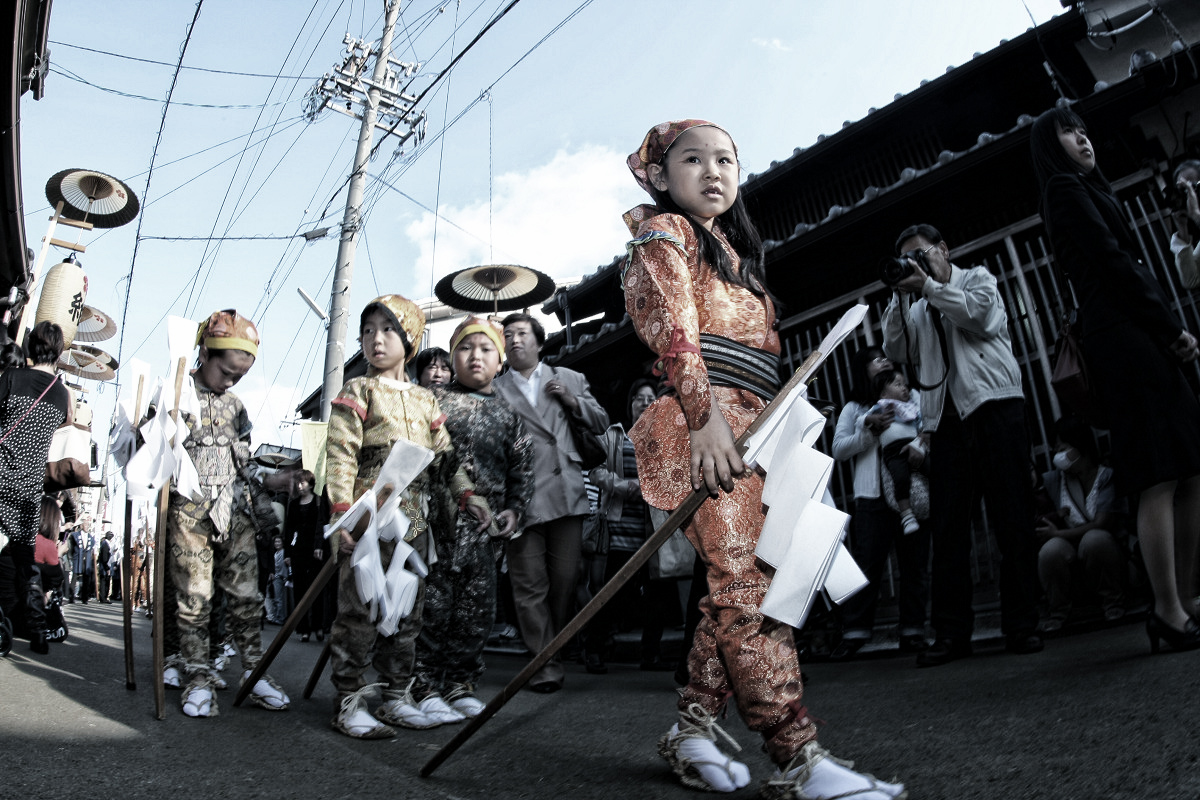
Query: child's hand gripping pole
[[357, 526]]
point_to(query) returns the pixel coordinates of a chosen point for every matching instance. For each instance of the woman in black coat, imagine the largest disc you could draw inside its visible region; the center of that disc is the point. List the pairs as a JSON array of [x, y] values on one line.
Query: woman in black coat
[[1134, 345]]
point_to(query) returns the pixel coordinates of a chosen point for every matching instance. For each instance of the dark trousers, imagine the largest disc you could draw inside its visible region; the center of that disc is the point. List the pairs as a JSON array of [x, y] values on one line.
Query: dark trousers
[[543, 563], [876, 529], [988, 451], [21, 589], [648, 601], [896, 462]]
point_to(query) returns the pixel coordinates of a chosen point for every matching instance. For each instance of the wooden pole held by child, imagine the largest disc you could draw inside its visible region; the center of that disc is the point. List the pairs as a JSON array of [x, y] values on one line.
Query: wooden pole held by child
[[160, 558], [127, 569], [314, 591], [318, 668], [677, 519]]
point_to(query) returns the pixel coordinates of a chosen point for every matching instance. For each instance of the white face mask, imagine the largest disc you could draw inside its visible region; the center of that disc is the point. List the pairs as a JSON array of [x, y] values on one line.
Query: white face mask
[[1064, 461]]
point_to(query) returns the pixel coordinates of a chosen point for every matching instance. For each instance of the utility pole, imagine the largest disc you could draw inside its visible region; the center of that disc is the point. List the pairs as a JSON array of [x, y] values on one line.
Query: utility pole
[[382, 104]]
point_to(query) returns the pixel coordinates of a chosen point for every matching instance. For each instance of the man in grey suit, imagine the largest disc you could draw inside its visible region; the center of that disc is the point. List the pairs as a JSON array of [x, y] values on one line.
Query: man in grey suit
[[543, 562]]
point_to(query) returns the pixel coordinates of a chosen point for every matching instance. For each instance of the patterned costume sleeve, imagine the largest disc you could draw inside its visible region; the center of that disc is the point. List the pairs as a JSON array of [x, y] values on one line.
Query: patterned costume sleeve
[[660, 299], [346, 417], [461, 486], [519, 484]]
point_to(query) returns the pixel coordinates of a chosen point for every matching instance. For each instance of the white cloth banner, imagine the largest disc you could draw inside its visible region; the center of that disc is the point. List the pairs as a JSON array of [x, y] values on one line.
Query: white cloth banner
[[389, 596], [803, 532]]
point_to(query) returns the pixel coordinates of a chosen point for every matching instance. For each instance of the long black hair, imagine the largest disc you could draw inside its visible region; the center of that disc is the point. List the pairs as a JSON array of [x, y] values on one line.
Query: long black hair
[[1049, 156], [860, 381], [739, 230]]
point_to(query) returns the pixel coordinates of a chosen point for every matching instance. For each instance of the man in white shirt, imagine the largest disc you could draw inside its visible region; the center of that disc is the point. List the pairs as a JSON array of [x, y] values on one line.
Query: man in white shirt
[[543, 561]]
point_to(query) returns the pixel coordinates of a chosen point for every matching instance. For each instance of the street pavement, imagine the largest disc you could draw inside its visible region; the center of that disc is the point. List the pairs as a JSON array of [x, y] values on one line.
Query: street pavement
[[1094, 716]]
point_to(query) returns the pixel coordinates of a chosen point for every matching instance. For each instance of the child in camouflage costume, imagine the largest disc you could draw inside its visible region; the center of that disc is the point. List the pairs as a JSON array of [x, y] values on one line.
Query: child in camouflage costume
[[211, 538], [368, 416], [460, 592]]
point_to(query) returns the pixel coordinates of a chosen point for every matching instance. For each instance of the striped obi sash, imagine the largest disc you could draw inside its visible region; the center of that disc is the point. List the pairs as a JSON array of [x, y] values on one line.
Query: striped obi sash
[[731, 363]]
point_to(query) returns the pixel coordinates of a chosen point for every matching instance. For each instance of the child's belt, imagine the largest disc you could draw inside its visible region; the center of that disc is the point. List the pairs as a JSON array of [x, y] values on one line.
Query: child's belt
[[731, 363]]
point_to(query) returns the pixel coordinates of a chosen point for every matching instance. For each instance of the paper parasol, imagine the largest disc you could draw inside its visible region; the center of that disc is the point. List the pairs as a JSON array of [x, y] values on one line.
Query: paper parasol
[[274, 460], [94, 197], [494, 288], [95, 326], [88, 362]]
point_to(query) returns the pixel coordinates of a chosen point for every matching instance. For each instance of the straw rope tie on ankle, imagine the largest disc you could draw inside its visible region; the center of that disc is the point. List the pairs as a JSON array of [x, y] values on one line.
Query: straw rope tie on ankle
[[352, 699], [702, 725]]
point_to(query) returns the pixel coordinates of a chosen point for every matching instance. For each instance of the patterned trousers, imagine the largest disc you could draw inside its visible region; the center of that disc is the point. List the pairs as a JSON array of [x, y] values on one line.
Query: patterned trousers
[[459, 609], [355, 644], [197, 566], [736, 650]]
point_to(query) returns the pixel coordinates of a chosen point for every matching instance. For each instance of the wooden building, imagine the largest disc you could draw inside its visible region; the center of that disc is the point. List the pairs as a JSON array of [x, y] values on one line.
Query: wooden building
[[954, 153]]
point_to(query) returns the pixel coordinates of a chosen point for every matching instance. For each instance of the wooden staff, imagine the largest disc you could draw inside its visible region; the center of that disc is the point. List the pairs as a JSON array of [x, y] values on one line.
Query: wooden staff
[[127, 569], [314, 591], [160, 558], [677, 519], [318, 668]]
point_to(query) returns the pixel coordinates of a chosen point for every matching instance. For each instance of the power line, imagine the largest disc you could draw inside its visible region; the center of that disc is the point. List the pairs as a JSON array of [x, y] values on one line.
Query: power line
[[237, 167], [263, 237], [193, 69], [80, 79], [150, 174]]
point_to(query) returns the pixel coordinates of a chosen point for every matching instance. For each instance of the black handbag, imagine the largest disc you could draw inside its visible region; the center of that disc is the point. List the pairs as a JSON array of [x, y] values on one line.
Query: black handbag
[[589, 446], [1070, 379]]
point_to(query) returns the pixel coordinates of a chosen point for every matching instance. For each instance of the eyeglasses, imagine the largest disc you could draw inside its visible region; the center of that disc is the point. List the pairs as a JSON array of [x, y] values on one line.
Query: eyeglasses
[[925, 252]]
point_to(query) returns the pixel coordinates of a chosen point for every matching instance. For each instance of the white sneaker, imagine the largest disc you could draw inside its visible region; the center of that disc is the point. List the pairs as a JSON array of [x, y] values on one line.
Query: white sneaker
[[814, 774], [267, 693], [353, 719], [690, 747], [172, 679], [198, 701], [436, 709]]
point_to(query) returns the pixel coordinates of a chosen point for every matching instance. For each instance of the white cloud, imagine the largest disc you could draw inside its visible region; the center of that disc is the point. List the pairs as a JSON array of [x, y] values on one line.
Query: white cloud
[[772, 44], [563, 218]]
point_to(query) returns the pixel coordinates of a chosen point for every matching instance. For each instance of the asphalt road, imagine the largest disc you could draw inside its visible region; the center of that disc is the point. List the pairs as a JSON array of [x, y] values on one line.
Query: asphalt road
[[1094, 716]]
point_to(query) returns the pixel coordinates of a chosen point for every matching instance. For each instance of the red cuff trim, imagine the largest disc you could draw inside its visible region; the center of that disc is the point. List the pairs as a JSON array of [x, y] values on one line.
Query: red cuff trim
[[679, 346], [437, 423], [341, 508], [352, 405], [462, 499]]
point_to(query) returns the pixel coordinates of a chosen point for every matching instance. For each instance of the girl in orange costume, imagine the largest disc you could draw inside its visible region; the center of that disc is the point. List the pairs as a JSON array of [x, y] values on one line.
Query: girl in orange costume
[[694, 289]]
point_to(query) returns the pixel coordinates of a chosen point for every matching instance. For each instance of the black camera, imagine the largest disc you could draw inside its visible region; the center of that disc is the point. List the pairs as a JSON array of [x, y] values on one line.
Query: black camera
[[1178, 196], [894, 270]]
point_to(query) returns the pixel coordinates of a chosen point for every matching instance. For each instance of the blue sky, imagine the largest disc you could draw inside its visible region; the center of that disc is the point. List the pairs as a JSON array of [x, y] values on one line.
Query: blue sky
[[551, 143]]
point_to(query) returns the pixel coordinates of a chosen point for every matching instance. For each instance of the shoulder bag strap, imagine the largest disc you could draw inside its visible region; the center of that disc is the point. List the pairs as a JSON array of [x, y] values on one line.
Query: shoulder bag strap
[[17, 424]]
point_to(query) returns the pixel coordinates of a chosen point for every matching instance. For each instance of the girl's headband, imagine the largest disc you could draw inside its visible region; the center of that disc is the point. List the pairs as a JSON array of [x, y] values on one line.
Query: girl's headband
[[656, 144]]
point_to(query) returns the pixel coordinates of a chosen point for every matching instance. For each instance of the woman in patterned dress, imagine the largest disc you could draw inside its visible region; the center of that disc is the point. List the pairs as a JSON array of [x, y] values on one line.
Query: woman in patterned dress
[[33, 402]]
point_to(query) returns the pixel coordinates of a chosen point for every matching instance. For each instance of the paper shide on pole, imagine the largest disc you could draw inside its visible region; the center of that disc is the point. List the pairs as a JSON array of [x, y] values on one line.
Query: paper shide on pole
[[390, 595], [162, 456], [802, 536]]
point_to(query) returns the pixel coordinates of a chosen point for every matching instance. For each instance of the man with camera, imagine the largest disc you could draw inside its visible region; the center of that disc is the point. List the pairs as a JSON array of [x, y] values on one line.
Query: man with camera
[[950, 324]]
